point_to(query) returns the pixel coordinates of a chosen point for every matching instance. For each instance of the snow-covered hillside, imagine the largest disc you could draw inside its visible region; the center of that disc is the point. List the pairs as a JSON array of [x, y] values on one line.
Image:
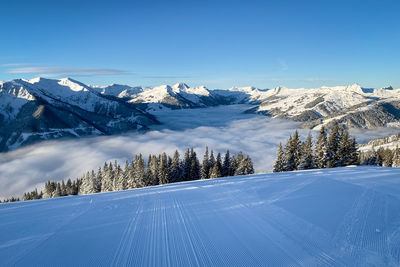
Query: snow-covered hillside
[[331, 217], [43, 109], [390, 142]]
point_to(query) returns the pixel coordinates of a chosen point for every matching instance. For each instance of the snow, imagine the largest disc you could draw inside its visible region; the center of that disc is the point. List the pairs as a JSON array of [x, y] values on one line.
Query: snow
[[332, 217]]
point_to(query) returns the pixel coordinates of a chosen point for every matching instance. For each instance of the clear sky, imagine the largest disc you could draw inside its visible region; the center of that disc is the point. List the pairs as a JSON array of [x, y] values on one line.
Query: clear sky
[[216, 43]]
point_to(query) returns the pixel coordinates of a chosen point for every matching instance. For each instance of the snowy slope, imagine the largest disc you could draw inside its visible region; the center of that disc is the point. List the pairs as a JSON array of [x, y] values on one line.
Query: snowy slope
[[332, 217]]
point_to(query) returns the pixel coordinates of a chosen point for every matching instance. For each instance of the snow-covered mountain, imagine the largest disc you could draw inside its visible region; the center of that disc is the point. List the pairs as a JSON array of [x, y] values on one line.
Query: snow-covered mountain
[[328, 217], [41, 108], [353, 106]]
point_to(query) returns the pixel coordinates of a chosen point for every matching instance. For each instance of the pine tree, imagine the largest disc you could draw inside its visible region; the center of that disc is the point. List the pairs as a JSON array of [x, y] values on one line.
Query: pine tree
[[279, 163], [205, 166], [234, 166], [163, 169], [108, 176], [216, 169], [176, 169], [307, 160], [140, 171], [129, 173], [320, 151], [245, 166], [69, 187], [194, 166], [58, 192], [63, 189], [186, 165], [226, 166], [297, 149], [290, 155], [47, 192], [85, 186], [153, 171], [333, 147], [396, 158], [98, 181]]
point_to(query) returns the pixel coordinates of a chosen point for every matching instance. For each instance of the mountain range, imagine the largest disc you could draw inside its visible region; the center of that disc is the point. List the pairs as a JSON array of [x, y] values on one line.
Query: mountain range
[[44, 109]]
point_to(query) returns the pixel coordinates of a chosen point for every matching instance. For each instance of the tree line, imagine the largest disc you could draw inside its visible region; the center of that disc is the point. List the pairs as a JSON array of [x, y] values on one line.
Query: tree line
[[328, 151], [381, 157], [159, 169]]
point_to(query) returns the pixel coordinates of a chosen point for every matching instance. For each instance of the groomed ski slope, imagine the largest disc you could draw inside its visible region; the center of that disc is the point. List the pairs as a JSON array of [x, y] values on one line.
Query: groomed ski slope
[[332, 217]]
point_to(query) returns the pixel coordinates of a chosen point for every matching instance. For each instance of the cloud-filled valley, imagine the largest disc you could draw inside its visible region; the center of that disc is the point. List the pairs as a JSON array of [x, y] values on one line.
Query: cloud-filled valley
[[29, 167]]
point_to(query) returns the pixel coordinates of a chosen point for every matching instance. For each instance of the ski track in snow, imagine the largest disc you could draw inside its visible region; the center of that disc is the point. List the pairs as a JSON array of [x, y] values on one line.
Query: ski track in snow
[[333, 217]]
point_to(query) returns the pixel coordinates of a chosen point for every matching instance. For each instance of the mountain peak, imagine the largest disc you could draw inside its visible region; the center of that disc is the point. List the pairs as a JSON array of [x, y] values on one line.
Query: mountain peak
[[181, 85]]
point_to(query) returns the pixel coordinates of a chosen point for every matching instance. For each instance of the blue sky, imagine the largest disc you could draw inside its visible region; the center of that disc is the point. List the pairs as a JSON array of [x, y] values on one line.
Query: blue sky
[[216, 43]]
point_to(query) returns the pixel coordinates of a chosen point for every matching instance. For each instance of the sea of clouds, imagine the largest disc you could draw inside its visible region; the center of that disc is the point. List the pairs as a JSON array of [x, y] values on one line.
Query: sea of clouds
[[219, 128]]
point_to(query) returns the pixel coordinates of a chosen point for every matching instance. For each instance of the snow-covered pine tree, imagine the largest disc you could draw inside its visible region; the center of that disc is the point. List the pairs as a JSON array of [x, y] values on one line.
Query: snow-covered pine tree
[[205, 166], [245, 166], [47, 192], [69, 187], [297, 152], [396, 158], [140, 171], [176, 169], [120, 180], [347, 151], [163, 169], [226, 166], [129, 173], [320, 150], [290, 155], [279, 163], [98, 181], [211, 163], [154, 170], [333, 147], [108, 177], [63, 189], [57, 192], [343, 151], [216, 169], [84, 188], [194, 165], [92, 185], [307, 159], [249, 165], [75, 188], [186, 166], [234, 166]]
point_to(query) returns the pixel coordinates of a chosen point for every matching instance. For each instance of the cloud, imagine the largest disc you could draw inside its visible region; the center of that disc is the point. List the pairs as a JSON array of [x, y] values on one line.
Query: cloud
[[28, 167], [18, 64], [57, 71]]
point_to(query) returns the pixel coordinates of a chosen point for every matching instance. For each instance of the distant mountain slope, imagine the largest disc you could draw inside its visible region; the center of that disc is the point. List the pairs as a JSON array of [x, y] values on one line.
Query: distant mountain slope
[[43, 109], [391, 142], [329, 217]]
